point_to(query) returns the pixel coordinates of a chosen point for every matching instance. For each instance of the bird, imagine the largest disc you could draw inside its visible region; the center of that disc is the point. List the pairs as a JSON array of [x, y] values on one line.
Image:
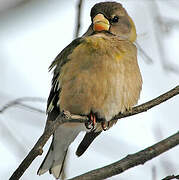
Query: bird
[[96, 75]]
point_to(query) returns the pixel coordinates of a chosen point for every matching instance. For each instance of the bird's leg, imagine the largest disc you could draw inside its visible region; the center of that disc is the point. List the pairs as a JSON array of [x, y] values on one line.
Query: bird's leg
[[103, 125], [92, 122]]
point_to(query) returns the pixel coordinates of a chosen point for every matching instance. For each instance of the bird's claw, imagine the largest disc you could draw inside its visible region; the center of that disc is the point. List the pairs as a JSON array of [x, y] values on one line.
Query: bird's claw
[[104, 127], [66, 114], [91, 124]]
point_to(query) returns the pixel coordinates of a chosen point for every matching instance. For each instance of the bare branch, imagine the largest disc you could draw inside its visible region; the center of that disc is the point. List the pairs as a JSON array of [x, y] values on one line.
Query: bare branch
[[19, 102], [67, 117], [31, 108], [78, 21], [167, 24], [131, 160], [171, 177]]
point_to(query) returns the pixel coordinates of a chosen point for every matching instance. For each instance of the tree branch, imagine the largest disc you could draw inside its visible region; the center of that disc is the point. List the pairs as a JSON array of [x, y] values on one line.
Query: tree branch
[[171, 177], [64, 118], [131, 160]]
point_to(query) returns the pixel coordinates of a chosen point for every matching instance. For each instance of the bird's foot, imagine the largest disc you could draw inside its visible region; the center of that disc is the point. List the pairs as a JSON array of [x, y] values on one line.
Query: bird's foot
[[92, 122], [105, 125], [66, 114]]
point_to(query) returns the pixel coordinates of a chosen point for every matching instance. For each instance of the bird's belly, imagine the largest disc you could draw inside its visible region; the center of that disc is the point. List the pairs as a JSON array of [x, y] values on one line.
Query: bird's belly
[[100, 90]]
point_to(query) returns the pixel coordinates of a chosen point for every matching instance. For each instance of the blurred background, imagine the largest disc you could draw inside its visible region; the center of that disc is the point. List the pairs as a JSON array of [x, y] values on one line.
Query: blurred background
[[32, 33]]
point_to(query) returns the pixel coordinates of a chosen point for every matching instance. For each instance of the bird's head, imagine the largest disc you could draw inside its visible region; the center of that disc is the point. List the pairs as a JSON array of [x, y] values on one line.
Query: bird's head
[[113, 18]]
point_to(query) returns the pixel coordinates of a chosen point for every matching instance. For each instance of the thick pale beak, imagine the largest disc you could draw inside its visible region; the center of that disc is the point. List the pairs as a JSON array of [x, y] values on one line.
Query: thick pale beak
[[100, 23]]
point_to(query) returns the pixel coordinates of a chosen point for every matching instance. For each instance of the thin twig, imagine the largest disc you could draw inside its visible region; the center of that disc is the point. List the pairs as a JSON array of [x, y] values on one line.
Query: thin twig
[[78, 21], [31, 108], [64, 118]]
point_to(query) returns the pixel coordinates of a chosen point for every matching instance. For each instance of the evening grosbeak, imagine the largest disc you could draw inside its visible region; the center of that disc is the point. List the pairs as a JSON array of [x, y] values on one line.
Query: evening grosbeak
[[97, 75]]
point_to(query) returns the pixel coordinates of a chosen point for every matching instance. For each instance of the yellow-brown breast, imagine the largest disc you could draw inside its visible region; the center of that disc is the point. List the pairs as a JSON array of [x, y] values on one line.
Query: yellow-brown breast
[[102, 76]]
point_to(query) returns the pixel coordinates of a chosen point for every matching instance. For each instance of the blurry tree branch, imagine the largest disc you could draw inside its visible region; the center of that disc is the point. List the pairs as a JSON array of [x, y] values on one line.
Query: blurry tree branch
[[7, 5], [161, 27], [19, 102], [154, 173], [147, 58], [167, 24], [78, 21], [13, 144], [132, 160]]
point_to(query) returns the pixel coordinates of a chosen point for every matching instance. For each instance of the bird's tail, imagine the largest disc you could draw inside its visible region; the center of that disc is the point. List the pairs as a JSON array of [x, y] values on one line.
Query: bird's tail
[[55, 157], [87, 140]]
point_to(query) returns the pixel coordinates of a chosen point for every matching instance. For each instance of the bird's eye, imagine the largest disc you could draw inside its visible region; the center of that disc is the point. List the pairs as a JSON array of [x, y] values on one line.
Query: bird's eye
[[115, 19]]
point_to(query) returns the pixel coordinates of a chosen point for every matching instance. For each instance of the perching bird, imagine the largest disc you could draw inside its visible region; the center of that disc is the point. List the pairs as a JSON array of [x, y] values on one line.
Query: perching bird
[[96, 75]]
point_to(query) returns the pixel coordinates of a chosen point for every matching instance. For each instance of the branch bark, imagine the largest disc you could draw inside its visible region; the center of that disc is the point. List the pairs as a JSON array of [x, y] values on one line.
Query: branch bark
[[131, 160], [64, 118]]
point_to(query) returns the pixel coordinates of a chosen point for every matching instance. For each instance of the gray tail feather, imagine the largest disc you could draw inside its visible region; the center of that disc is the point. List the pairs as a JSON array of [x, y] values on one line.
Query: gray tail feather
[[55, 157], [50, 164], [48, 157]]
